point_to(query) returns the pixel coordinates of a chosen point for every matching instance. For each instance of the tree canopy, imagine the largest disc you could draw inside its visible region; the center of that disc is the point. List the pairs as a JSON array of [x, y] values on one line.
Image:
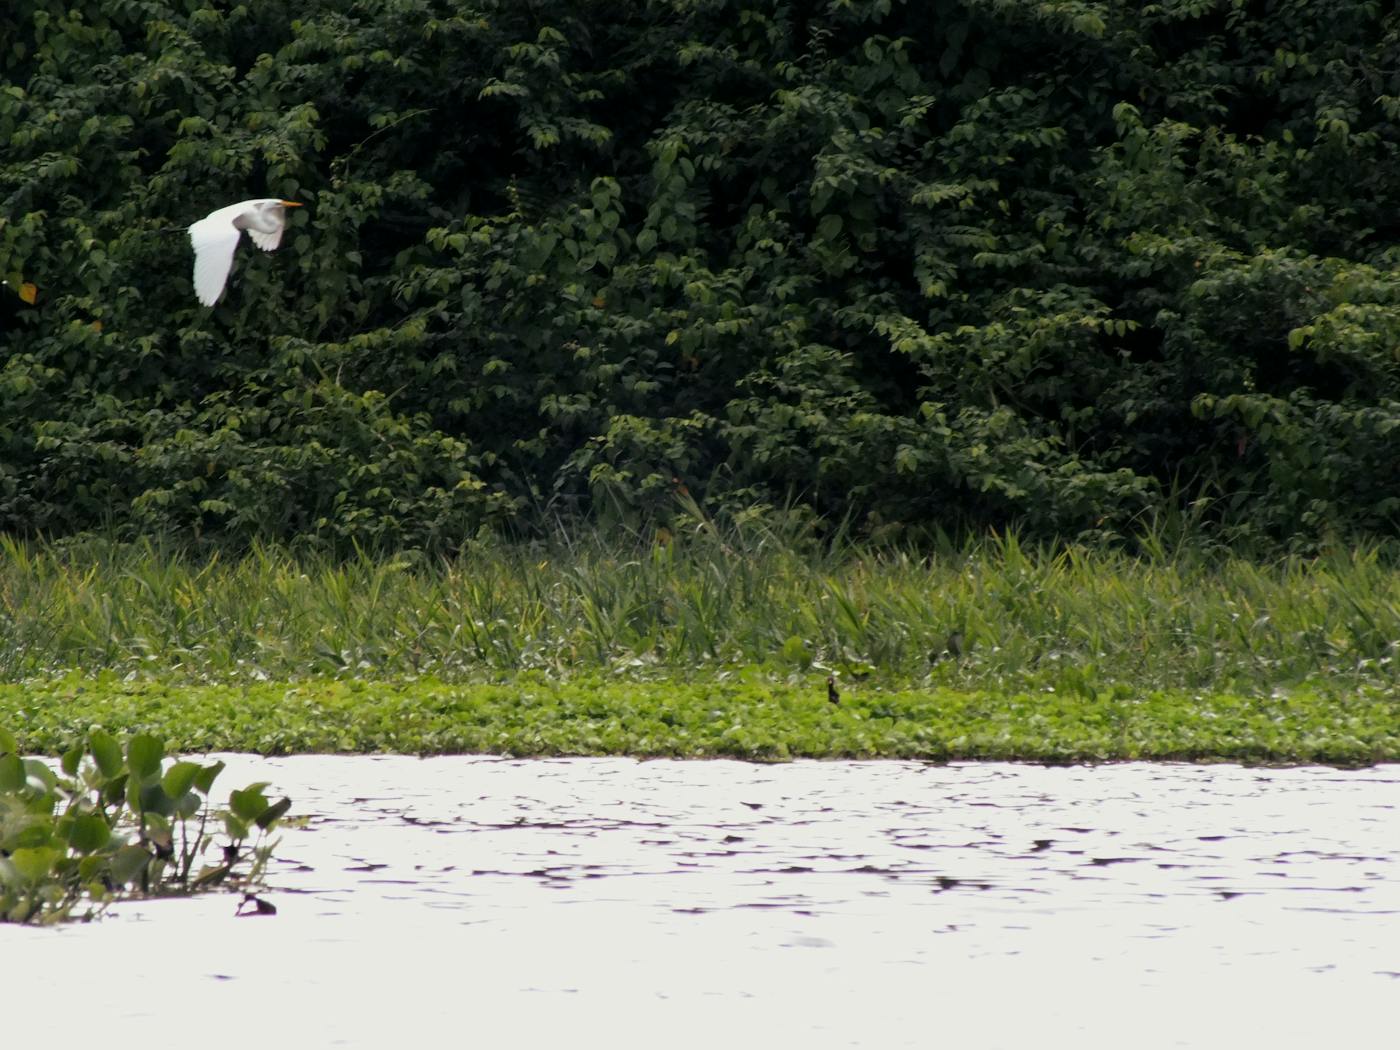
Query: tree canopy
[[1052, 263]]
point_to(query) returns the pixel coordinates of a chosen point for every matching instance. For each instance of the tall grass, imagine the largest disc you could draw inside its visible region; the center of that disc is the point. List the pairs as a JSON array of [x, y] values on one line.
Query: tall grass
[[986, 613]]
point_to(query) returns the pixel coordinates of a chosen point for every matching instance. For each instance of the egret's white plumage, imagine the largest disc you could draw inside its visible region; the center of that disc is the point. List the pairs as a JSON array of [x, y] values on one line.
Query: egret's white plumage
[[216, 236]]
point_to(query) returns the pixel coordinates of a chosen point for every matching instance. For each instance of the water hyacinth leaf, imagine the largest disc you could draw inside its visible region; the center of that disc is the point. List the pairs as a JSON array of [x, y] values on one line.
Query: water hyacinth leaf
[[212, 875], [31, 836], [249, 803], [204, 779], [155, 802], [127, 863], [273, 813], [143, 755], [70, 761], [32, 865], [39, 777], [235, 828], [179, 778], [8, 745], [187, 805], [159, 833], [133, 791], [114, 792], [89, 833], [106, 752], [11, 772], [94, 865]]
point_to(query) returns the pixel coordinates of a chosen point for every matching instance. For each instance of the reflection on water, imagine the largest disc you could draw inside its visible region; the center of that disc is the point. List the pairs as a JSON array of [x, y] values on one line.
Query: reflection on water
[[866, 904]]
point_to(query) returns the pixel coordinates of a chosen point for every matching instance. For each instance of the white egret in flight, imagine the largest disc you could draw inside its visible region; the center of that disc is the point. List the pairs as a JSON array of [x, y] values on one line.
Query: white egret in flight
[[216, 236]]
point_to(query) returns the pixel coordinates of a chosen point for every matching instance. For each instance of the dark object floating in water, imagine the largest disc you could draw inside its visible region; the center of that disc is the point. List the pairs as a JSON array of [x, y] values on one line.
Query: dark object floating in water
[[260, 906]]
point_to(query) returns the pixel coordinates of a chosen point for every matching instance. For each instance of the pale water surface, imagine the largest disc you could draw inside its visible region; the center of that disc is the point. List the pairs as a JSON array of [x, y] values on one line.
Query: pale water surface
[[471, 901]]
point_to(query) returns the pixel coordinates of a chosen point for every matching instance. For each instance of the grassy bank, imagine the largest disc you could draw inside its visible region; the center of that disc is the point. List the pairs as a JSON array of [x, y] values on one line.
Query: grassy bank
[[709, 642]]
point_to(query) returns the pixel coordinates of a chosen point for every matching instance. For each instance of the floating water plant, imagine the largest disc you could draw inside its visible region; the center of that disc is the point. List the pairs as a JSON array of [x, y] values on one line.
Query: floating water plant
[[118, 819]]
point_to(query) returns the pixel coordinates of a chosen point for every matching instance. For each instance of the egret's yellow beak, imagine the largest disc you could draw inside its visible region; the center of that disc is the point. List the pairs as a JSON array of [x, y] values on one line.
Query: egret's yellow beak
[[290, 204]]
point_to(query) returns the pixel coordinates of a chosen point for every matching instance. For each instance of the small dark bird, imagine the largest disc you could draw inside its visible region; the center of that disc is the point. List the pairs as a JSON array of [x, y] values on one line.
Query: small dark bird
[[832, 693]]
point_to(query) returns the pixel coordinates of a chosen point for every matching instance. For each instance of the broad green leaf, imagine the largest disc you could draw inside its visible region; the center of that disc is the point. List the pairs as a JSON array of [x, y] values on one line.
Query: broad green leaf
[[155, 800], [249, 803], [273, 813], [89, 833], [94, 865], [133, 792], [204, 779], [106, 752], [128, 863], [143, 755], [34, 864], [211, 875], [40, 777], [187, 805], [8, 745], [114, 791], [158, 831], [40, 833], [235, 828], [11, 772], [179, 778]]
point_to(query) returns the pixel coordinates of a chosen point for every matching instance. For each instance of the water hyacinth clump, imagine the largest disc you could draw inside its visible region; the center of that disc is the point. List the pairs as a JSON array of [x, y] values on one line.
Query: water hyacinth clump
[[115, 820]]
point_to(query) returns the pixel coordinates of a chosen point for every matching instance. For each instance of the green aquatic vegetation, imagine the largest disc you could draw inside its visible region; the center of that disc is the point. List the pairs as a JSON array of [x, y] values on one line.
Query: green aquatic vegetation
[[708, 641], [119, 819], [749, 714]]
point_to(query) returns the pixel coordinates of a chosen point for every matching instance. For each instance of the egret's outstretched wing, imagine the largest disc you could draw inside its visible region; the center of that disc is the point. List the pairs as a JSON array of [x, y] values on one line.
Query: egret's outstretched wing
[[265, 221], [266, 241], [214, 239]]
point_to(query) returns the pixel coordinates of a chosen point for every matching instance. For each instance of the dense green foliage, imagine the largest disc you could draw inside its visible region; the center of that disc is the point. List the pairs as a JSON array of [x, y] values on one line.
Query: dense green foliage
[[1062, 263], [745, 715], [990, 616], [116, 819]]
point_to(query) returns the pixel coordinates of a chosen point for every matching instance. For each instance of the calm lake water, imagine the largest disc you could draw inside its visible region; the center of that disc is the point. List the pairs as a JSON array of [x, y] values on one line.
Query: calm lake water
[[612, 902]]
